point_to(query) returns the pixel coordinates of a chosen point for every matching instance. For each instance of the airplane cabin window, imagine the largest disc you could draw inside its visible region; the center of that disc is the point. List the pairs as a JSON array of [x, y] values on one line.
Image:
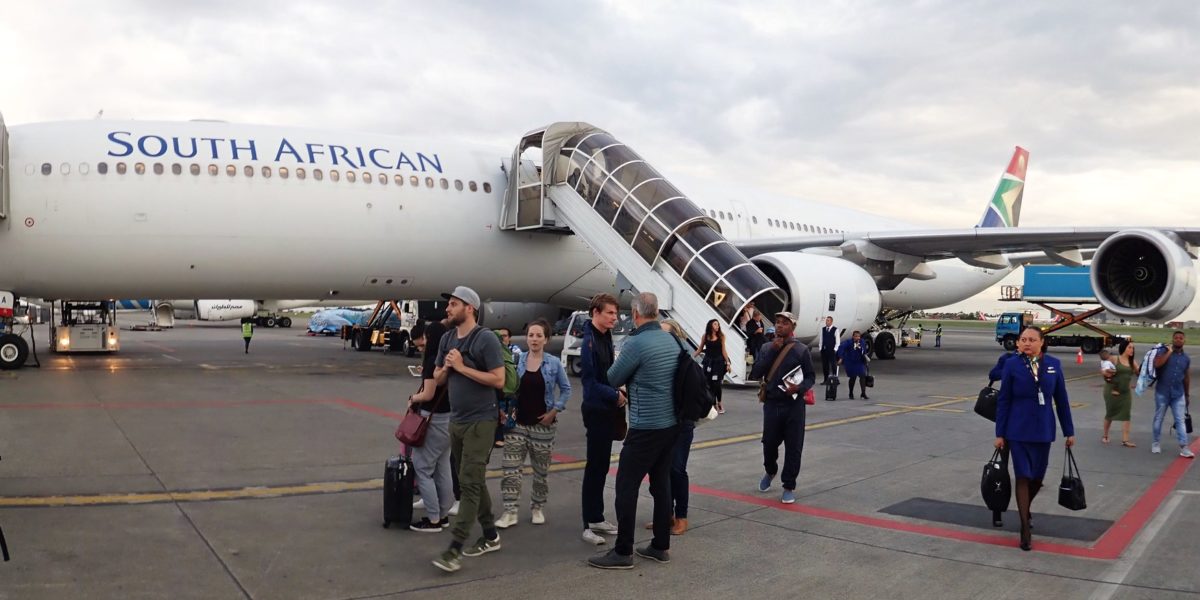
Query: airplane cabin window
[[334, 175], [458, 185], [65, 169], [176, 169], [230, 170], [102, 168], [120, 168], [414, 181], [382, 179], [283, 172], [487, 188], [754, 220], [399, 179], [793, 225], [158, 169], [445, 184], [139, 168], [248, 171], [83, 168], [366, 178], [471, 186], [213, 170], [300, 173], [194, 169], [317, 174], [266, 172], [350, 176], [429, 182]]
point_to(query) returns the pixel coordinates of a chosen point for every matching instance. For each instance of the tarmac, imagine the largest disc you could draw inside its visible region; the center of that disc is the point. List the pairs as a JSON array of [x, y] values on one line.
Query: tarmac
[[183, 468]]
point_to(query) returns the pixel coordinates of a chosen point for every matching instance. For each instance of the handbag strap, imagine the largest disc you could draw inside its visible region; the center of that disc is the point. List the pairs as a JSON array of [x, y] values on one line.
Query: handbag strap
[[997, 456], [1070, 467], [778, 361]]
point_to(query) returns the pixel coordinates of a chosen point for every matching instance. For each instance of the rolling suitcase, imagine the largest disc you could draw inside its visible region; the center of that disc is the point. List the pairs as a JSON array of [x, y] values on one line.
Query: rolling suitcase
[[397, 491], [832, 387]]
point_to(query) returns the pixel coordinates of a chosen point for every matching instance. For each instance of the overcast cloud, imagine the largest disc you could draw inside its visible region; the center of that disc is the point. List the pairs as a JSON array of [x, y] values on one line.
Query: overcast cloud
[[904, 109]]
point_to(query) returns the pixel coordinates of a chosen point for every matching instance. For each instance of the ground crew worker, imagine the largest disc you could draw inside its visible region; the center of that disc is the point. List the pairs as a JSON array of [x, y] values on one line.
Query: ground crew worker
[[938, 336], [247, 332]]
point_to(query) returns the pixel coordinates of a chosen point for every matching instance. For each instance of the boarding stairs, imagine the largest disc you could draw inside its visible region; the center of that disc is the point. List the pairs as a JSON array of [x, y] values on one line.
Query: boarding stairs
[[640, 225]]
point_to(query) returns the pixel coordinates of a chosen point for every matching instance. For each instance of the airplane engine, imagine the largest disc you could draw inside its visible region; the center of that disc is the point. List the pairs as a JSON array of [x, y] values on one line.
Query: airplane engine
[[1143, 274], [516, 315], [822, 286], [224, 310]]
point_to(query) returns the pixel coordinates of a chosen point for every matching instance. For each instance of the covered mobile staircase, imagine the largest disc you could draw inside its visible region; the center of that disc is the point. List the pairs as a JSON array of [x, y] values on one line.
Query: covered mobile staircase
[[640, 225]]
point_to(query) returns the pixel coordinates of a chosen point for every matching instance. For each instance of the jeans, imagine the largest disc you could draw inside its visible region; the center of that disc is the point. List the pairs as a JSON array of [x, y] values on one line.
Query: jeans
[[431, 461], [679, 475], [472, 442], [783, 422], [645, 452], [1178, 408], [598, 425]]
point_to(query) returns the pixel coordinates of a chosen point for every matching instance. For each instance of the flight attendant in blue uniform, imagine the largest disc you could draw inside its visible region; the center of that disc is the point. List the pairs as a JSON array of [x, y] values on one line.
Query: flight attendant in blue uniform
[[853, 356], [1032, 389]]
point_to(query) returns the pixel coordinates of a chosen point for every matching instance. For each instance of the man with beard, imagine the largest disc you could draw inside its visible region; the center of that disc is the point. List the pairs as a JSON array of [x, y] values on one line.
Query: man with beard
[[1173, 391]]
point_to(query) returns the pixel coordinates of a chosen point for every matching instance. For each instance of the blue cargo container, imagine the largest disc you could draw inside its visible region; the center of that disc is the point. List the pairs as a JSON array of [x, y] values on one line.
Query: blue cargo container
[[1055, 283]]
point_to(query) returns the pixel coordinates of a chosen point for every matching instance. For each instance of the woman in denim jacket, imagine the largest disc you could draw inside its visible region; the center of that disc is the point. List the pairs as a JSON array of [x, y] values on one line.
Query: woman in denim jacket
[[537, 411]]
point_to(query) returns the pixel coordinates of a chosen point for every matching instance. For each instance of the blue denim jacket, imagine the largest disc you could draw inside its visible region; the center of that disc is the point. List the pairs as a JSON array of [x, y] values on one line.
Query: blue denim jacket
[[555, 376]]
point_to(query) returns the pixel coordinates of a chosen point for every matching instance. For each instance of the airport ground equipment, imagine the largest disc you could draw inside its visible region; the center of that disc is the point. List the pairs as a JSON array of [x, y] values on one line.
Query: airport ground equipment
[[84, 326], [1046, 286], [640, 225], [388, 326]]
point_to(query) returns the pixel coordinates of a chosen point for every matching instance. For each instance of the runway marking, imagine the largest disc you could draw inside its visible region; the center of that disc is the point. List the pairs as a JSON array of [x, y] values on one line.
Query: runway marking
[[949, 410], [172, 358], [1112, 579]]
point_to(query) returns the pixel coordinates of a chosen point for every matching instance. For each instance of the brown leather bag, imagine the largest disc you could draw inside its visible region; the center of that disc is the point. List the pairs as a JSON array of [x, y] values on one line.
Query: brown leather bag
[[762, 385], [412, 428]]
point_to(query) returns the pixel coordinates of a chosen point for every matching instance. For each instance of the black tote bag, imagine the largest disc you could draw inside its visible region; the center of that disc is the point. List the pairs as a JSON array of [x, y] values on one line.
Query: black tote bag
[[1070, 491], [985, 404], [995, 484]]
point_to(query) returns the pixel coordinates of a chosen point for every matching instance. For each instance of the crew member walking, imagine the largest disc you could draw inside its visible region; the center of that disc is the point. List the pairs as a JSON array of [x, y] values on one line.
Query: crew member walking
[[829, 348], [853, 356]]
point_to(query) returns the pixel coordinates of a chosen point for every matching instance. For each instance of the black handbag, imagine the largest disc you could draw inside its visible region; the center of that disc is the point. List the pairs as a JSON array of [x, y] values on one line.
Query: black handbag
[[1187, 422], [995, 485], [985, 404], [1070, 491], [869, 379]]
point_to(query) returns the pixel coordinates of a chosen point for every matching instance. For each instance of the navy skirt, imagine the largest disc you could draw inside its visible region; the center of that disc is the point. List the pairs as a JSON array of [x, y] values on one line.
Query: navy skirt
[[1029, 459]]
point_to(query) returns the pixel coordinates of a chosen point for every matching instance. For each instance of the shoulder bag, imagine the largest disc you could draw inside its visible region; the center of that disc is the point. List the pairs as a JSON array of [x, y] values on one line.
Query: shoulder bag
[[985, 404], [762, 385], [995, 484], [412, 428]]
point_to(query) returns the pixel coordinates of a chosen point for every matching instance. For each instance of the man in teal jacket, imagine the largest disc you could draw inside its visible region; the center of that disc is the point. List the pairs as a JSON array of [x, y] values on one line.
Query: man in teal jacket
[[647, 367]]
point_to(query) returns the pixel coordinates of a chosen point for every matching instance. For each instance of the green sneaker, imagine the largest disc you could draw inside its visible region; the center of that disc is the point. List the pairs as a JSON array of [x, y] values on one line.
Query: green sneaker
[[450, 561], [482, 546]]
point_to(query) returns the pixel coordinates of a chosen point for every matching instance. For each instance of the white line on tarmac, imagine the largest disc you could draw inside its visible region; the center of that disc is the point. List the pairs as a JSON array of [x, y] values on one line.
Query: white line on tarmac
[[1120, 569], [1188, 492], [172, 358]]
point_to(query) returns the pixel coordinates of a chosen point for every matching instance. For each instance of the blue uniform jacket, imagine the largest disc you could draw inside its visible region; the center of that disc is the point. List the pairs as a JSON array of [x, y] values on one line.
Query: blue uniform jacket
[[554, 376], [1019, 417], [854, 361], [998, 370], [597, 393]]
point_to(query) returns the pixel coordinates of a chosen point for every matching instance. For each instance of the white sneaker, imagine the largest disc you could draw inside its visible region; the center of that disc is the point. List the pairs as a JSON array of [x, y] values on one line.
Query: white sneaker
[[418, 504], [506, 520], [603, 527], [592, 537], [454, 509], [1187, 452], [1155, 448], [538, 518]]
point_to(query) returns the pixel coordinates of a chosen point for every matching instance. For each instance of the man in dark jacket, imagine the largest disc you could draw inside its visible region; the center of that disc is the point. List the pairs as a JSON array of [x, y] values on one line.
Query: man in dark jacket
[[602, 406], [783, 407]]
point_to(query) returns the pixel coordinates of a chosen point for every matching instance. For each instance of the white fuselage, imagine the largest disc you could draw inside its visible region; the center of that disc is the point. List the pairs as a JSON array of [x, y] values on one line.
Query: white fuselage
[[239, 233]]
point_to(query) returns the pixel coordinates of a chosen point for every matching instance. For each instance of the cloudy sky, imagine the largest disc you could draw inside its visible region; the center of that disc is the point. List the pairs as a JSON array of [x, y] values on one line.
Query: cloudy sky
[[904, 109]]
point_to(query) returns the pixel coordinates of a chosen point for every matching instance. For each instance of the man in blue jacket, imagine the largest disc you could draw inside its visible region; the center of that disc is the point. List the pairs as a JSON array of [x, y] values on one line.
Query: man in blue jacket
[[647, 365], [602, 406]]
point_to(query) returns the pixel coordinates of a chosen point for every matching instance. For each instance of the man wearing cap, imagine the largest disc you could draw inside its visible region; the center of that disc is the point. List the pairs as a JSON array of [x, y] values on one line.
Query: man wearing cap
[[783, 405], [470, 360]]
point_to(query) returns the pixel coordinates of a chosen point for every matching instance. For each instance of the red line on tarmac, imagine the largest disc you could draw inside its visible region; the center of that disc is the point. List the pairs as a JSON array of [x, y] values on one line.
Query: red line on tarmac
[[184, 404], [375, 410]]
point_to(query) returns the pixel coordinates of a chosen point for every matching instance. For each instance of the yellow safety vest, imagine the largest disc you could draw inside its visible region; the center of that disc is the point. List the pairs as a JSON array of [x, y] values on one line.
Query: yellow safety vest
[[247, 329]]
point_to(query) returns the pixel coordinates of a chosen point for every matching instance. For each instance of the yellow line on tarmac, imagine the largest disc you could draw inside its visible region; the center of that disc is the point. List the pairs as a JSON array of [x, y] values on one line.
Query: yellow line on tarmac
[[949, 410]]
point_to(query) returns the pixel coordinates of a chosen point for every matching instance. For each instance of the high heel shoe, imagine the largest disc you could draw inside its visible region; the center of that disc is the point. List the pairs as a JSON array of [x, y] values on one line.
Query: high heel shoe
[[1026, 537]]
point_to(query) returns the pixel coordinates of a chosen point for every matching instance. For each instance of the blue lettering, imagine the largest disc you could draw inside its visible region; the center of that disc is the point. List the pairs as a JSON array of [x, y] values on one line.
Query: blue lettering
[[112, 137], [335, 151], [373, 159], [312, 154], [234, 147], [362, 162], [434, 162], [179, 153], [162, 146], [284, 146], [403, 160], [213, 142]]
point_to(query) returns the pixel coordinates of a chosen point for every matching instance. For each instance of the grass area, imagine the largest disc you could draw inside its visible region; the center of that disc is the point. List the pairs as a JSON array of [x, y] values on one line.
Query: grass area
[[1141, 335]]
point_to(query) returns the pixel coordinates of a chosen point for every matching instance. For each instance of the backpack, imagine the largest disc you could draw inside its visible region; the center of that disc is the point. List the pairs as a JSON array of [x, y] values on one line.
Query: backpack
[[511, 381], [693, 400]]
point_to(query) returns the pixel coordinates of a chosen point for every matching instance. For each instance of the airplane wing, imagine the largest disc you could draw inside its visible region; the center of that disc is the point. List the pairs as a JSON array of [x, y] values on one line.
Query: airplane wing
[[1024, 244]]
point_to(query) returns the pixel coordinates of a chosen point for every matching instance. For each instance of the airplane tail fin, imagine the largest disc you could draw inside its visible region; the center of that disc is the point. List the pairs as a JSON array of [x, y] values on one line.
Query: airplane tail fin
[[1004, 209]]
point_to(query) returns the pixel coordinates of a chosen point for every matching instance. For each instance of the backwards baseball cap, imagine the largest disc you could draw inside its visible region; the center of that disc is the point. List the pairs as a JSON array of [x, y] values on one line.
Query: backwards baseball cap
[[787, 315], [465, 294]]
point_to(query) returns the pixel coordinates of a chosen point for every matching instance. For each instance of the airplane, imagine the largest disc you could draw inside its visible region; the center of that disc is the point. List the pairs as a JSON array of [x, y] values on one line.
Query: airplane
[[216, 209]]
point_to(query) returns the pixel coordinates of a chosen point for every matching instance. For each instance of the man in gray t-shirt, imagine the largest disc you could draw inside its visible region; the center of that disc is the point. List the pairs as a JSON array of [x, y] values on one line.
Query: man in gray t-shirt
[[470, 359]]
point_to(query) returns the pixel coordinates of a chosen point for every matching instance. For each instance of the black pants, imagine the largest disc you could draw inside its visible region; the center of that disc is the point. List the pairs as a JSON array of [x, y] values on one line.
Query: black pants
[[645, 452], [718, 370], [598, 425], [679, 474], [783, 422], [828, 362], [247, 340]]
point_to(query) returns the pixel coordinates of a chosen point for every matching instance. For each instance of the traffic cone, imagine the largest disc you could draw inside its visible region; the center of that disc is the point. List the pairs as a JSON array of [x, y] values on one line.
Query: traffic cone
[[1079, 357]]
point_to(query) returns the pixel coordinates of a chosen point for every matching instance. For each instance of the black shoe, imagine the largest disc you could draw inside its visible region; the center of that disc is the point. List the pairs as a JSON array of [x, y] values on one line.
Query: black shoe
[[611, 560], [997, 523], [851, 396], [865, 397], [425, 526], [1026, 537], [652, 553]]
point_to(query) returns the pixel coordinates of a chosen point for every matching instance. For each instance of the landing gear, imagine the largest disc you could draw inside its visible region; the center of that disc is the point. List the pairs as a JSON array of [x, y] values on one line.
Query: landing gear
[[13, 352], [285, 322], [885, 345]]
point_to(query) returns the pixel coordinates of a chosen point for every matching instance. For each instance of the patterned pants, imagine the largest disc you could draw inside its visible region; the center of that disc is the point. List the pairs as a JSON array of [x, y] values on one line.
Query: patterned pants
[[536, 441]]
